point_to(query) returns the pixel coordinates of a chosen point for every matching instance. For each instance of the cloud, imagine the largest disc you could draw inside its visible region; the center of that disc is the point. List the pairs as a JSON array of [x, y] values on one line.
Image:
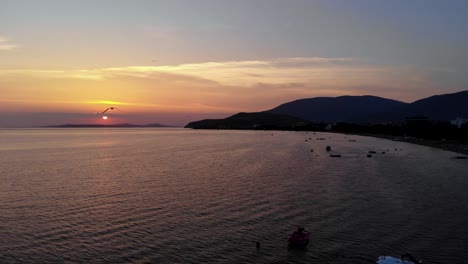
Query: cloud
[[5, 44], [247, 73], [228, 86], [64, 74], [312, 70]]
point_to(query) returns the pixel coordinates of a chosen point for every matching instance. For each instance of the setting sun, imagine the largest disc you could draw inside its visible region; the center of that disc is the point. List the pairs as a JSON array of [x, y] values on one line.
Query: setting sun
[[104, 117]]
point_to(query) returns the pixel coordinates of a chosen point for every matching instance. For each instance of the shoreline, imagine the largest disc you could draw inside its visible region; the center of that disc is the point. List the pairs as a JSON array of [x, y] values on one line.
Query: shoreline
[[456, 146]]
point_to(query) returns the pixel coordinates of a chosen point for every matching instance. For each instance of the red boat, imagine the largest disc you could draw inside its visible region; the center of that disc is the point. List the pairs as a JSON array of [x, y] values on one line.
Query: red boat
[[299, 238]]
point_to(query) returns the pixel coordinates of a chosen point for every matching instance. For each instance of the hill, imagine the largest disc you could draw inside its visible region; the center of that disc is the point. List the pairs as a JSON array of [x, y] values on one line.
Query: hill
[[441, 107], [260, 120], [349, 109], [368, 109], [342, 109]]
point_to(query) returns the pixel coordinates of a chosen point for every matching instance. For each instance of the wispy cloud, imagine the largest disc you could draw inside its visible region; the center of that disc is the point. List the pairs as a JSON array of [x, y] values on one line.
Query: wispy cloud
[[106, 102], [247, 73], [227, 86], [6, 45], [244, 73], [67, 74]]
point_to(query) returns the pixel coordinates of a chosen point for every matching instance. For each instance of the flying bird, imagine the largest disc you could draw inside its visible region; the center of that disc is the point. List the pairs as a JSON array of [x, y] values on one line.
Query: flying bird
[[110, 108], [103, 112]]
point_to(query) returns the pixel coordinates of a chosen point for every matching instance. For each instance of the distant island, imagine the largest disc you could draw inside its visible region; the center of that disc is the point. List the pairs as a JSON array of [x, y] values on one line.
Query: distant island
[[102, 125]]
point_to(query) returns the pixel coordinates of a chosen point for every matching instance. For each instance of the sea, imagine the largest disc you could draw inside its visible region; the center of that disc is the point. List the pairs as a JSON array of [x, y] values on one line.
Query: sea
[[174, 195]]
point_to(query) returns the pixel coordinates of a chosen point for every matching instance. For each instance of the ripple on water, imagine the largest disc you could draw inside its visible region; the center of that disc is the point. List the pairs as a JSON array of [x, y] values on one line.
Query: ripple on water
[[184, 196]]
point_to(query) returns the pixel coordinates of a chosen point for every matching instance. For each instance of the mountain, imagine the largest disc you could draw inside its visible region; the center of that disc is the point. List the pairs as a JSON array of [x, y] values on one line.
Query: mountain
[[342, 109], [441, 107], [313, 112], [365, 109], [260, 120]]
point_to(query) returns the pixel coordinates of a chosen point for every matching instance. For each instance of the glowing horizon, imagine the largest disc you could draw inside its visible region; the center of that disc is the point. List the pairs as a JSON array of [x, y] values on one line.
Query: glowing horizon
[[69, 58]]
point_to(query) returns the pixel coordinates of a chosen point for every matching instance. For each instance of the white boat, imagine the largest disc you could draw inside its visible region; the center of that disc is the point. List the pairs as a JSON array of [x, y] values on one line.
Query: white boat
[[404, 259]]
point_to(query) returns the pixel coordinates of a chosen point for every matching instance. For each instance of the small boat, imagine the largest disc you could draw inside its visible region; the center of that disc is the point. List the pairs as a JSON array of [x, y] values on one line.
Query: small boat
[[335, 155], [299, 238], [328, 148], [369, 155], [404, 259], [372, 152]]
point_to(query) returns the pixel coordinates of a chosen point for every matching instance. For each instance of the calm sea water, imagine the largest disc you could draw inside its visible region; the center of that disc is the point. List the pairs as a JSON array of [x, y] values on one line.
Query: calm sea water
[[189, 196]]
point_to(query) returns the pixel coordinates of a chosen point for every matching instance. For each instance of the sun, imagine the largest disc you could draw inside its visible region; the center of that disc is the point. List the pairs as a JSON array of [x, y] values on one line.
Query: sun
[[104, 117]]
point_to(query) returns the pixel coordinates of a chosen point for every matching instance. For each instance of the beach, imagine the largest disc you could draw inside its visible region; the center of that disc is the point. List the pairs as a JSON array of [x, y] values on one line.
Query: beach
[[457, 146]]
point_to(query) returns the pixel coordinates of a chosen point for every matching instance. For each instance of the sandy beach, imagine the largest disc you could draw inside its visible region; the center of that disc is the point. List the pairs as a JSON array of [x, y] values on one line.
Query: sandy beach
[[450, 145]]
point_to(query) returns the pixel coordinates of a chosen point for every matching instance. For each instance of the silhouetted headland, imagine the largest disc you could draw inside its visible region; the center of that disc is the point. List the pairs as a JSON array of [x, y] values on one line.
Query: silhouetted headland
[[439, 121], [372, 109], [260, 120]]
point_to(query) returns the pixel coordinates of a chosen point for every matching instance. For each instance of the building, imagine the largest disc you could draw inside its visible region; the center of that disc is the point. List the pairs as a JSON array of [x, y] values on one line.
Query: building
[[459, 122]]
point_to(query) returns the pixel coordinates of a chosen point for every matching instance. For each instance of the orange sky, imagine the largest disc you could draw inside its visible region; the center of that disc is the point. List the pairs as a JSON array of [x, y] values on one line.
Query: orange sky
[[221, 87], [177, 61]]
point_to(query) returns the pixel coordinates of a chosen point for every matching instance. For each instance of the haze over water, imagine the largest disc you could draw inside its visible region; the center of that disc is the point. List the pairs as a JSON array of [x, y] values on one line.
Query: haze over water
[[190, 196]]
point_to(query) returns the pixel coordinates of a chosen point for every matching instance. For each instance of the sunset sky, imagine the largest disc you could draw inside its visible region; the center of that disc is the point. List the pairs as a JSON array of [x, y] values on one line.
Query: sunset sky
[[174, 61]]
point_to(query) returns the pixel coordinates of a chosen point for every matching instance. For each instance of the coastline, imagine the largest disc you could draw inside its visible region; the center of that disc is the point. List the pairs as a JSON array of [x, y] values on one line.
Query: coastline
[[457, 146]]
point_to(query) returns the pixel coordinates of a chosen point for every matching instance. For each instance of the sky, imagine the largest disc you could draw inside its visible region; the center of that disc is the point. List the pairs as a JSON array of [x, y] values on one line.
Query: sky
[[175, 61]]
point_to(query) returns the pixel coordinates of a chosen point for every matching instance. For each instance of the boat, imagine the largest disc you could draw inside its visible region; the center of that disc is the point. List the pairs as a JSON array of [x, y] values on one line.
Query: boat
[[404, 259], [335, 155], [328, 148], [299, 238]]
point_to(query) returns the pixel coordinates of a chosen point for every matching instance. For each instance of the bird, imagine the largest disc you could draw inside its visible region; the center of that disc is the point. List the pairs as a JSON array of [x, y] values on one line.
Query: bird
[[110, 108]]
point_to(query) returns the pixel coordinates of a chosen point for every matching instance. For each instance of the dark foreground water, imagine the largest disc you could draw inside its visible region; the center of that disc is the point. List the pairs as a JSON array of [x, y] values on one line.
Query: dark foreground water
[[186, 196]]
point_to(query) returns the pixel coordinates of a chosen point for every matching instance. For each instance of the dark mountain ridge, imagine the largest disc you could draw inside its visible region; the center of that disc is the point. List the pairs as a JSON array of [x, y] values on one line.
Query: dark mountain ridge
[[263, 120], [441, 107], [365, 109], [349, 109], [340, 109]]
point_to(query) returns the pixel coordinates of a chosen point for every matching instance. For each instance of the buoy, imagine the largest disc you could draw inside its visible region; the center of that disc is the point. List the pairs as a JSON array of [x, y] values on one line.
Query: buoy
[[257, 244]]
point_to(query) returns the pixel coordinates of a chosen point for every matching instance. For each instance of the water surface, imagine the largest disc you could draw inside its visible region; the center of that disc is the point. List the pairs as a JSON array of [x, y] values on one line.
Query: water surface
[[193, 196]]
